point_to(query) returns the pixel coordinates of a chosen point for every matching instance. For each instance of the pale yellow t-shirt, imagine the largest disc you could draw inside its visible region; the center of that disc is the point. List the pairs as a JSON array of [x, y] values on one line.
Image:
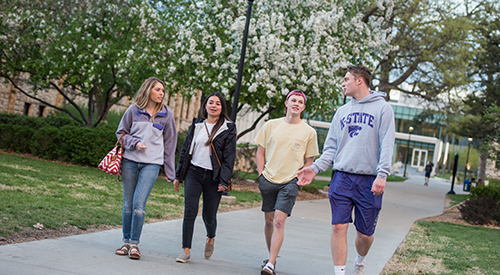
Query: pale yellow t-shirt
[[286, 148]]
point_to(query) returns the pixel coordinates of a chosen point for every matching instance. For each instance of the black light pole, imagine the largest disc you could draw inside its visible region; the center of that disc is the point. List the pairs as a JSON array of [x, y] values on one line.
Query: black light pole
[[240, 69], [467, 160], [455, 165], [408, 150], [242, 62]]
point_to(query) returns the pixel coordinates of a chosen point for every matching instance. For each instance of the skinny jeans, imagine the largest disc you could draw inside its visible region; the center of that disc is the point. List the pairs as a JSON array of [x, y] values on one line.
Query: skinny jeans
[[138, 180], [199, 180]]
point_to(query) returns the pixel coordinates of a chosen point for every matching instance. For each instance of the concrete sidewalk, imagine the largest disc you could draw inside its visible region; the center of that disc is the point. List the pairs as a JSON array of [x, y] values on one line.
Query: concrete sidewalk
[[239, 247]]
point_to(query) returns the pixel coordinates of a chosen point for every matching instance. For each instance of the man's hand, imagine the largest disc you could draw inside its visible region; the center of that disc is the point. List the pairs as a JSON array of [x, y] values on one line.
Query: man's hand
[[176, 185], [378, 186], [305, 175], [221, 188]]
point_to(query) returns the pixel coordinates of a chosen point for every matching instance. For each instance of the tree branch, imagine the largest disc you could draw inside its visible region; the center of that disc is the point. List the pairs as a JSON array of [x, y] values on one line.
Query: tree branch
[[251, 128], [41, 100], [84, 120]]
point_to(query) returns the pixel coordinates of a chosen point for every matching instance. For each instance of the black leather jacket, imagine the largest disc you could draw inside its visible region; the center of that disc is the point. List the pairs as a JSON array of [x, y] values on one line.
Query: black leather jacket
[[225, 146]]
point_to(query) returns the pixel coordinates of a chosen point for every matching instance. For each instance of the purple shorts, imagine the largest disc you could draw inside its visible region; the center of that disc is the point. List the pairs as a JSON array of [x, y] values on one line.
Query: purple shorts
[[353, 190]]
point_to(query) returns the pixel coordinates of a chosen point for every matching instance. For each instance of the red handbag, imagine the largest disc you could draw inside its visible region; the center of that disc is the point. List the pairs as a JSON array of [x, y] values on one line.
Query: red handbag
[[112, 162]]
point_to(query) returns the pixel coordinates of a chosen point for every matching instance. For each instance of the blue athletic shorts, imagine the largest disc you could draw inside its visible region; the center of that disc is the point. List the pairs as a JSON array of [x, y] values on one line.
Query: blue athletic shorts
[[278, 196], [348, 191]]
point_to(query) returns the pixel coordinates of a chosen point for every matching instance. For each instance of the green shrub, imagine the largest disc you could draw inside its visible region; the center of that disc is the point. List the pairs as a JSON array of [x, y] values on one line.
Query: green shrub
[[29, 122], [480, 210], [60, 121], [483, 206], [494, 182], [87, 146], [60, 138], [309, 189], [20, 139], [47, 143], [486, 191], [37, 122], [5, 136]]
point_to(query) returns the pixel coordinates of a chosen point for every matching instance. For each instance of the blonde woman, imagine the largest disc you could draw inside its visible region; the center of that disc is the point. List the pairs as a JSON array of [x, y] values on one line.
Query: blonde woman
[[149, 142]]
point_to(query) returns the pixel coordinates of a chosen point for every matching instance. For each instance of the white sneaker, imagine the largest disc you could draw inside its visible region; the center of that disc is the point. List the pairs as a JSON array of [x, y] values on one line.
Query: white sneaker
[[359, 270], [267, 270]]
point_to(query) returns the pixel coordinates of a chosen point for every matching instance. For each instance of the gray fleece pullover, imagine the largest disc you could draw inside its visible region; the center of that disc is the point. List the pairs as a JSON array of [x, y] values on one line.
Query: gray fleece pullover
[[160, 137], [361, 138]]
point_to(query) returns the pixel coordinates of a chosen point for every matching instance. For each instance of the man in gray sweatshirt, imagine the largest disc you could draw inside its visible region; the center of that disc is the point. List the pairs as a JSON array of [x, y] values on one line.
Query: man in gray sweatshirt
[[359, 148]]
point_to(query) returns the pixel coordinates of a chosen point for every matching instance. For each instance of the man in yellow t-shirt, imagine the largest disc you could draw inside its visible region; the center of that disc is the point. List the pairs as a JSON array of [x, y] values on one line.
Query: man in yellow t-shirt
[[285, 145]]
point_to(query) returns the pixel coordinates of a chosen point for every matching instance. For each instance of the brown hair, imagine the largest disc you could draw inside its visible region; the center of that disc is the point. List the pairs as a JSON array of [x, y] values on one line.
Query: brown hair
[[223, 114], [361, 71]]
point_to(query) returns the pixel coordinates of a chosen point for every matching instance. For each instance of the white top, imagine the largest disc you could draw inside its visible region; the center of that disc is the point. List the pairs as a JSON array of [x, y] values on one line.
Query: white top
[[201, 154]]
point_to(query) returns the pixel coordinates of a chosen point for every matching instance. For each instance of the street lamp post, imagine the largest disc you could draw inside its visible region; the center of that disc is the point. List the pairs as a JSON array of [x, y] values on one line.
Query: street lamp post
[[467, 160], [242, 62], [408, 149], [455, 165], [240, 69]]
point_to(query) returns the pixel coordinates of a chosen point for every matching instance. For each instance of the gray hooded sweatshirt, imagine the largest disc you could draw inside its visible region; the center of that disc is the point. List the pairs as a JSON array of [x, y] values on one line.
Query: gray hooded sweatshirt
[[361, 138]]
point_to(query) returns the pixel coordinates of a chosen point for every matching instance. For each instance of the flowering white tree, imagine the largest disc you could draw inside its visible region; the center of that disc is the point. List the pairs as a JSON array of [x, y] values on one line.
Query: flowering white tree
[[295, 44], [101, 50]]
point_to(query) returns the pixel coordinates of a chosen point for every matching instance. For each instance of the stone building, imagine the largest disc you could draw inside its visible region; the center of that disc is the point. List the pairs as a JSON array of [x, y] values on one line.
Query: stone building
[[13, 101]]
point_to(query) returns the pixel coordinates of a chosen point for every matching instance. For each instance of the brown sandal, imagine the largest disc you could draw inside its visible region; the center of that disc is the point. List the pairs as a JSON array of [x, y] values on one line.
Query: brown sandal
[[134, 252], [123, 251]]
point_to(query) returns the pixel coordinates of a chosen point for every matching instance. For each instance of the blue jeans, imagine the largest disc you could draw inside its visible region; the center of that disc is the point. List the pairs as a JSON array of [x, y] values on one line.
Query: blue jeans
[[199, 180], [138, 181]]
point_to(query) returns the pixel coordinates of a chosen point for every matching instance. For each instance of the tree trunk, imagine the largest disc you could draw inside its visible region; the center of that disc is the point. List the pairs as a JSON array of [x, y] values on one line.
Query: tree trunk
[[483, 158]]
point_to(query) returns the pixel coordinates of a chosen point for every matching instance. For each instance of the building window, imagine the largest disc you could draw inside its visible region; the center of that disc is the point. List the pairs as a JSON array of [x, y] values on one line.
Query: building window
[[41, 110], [27, 107]]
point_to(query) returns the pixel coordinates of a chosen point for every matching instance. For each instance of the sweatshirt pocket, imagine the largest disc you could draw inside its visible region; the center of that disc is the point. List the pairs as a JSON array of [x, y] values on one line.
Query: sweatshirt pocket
[[356, 159], [158, 126]]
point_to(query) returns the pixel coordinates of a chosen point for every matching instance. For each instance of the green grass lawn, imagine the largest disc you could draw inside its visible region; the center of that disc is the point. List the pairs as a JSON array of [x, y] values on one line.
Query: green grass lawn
[[457, 198], [60, 195], [447, 248]]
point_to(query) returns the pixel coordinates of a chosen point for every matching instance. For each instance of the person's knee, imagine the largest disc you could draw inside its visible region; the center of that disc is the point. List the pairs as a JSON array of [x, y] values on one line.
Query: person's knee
[[279, 223], [269, 221], [339, 228], [279, 219], [364, 238], [139, 212]]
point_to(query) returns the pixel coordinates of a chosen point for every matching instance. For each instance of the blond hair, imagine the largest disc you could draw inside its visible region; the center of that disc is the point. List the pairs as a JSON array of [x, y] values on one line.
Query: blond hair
[[143, 95]]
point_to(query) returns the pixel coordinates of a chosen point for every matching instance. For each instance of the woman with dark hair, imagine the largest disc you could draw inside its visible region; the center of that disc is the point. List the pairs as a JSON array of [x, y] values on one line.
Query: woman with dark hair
[[206, 165], [149, 141]]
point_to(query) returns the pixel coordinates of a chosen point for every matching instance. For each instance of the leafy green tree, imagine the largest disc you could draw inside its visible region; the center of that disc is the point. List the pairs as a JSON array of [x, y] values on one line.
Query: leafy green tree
[[433, 49], [480, 105], [96, 50]]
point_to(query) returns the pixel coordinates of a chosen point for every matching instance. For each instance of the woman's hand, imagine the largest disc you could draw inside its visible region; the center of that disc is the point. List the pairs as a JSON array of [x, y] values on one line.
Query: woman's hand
[[176, 185], [221, 188], [140, 146]]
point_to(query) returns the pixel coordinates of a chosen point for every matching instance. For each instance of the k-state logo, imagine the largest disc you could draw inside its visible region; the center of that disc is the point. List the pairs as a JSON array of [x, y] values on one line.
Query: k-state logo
[[354, 130]]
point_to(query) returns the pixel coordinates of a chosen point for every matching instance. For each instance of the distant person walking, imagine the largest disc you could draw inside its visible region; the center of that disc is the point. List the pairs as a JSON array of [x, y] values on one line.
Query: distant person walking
[[359, 146], [428, 170], [149, 142], [206, 165], [285, 145]]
